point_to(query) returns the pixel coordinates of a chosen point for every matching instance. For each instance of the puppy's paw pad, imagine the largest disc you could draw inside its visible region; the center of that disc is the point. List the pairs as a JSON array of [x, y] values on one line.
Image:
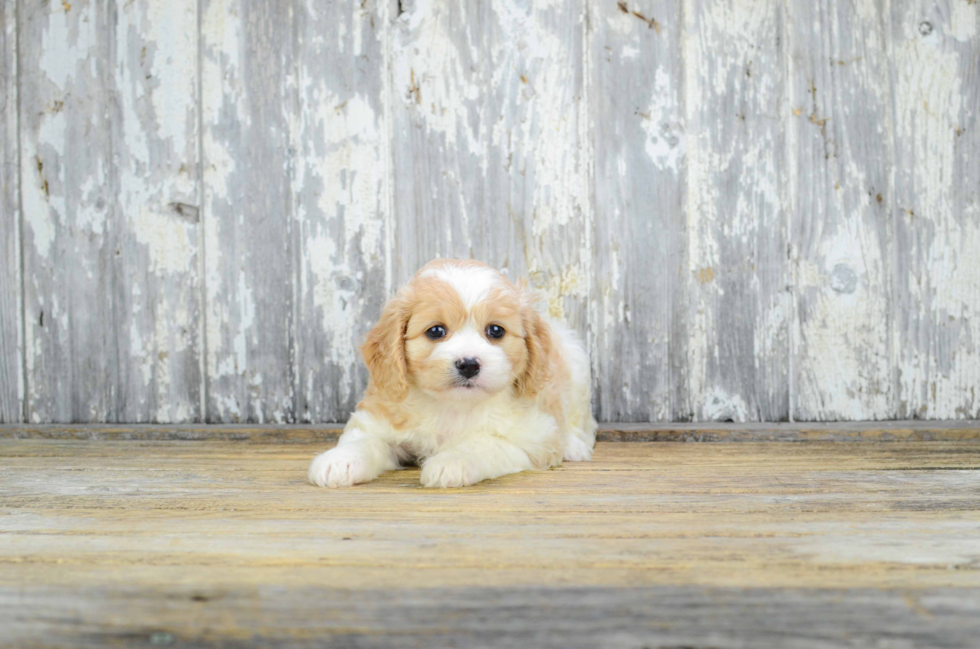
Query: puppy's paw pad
[[575, 450], [448, 473], [339, 467]]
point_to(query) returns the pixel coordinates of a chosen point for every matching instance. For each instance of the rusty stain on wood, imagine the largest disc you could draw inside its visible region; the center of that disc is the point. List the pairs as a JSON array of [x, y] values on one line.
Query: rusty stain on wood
[[706, 275]]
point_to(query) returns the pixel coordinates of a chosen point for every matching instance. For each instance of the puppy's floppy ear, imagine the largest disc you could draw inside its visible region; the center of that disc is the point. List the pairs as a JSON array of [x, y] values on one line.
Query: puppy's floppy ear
[[384, 349], [539, 341]]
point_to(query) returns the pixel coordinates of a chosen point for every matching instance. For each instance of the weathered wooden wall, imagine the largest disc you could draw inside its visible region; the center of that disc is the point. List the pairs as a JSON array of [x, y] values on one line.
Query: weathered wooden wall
[[753, 209]]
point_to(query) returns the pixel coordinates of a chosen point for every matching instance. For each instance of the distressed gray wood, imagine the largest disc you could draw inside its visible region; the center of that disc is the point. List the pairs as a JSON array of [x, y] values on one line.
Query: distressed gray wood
[[530, 616], [108, 169], [694, 186], [156, 283], [339, 143], [538, 218], [639, 306], [490, 143], [936, 94], [67, 186], [438, 86], [250, 248], [840, 144], [11, 358], [736, 202]]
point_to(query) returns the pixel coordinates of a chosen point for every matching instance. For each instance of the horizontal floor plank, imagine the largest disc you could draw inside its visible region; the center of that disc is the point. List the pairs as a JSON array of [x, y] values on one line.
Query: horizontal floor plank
[[687, 616]]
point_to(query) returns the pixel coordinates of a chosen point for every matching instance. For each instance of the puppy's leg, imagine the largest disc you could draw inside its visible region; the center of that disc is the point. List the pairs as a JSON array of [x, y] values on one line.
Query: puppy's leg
[[579, 439], [526, 442], [580, 426], [472, 460], [358, 457]]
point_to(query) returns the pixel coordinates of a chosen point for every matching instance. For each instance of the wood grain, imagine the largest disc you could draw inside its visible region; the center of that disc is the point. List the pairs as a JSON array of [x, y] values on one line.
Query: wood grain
[[108, 168], [736, 163], [438, 130], [155, 291], [67, 189], [750, 211], [840, 139], [490, 149], [11, 349], [936, 88], [338, 141], [250, 247], [641, 302], [671, 616], [214, 542]]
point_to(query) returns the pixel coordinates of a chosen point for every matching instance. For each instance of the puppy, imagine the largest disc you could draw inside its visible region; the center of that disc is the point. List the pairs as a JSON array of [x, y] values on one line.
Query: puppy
[[468, 380]]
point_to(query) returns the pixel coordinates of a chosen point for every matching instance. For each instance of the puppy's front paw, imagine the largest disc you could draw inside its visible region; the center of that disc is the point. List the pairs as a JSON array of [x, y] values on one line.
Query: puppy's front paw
[[343, 466], [448, 470], [576, 450]]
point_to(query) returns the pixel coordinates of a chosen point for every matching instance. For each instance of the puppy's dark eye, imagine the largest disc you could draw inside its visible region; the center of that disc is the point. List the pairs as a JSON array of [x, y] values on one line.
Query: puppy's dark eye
[[436, 332], [495, 331]]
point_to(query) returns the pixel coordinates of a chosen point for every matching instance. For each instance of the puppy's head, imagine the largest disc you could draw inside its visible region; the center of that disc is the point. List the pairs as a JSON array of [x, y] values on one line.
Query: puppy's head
[[459, 330]]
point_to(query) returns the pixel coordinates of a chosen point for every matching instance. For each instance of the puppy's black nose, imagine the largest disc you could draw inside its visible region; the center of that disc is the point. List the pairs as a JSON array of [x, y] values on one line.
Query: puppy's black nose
[[468, 367]]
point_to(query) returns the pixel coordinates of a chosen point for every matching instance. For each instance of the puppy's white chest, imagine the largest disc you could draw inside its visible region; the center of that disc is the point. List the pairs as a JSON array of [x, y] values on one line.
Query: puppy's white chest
[[446, 424], [452, 424]]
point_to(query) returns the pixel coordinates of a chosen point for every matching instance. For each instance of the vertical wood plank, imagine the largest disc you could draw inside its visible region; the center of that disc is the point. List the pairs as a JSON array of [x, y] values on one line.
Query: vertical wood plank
[[538, 210], [491, 147], [67, 190], [640, 299], [439, 87], [841, 161], [339, 135], [108, 166], [249, 248], [936, 85], [155, 287], [736, 105], [11, 350]]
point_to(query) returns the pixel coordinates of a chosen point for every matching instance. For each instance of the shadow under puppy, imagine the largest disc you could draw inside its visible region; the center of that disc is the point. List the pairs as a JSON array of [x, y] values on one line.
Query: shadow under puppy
[[468, 380]]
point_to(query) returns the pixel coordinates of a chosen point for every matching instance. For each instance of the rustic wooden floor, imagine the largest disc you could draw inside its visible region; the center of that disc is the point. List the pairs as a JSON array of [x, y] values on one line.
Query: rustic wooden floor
[[129, 542]]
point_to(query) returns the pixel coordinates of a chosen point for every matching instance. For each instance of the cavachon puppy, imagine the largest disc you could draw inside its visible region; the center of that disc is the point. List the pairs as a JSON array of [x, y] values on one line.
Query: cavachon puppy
[[468, 380]]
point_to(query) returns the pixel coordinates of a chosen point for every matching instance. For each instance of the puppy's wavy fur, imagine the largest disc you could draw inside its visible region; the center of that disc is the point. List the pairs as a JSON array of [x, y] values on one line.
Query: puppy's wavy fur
[[528, 406]]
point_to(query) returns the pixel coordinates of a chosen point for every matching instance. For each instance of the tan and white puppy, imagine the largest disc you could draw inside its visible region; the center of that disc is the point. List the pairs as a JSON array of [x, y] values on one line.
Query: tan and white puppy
[[468, 380]]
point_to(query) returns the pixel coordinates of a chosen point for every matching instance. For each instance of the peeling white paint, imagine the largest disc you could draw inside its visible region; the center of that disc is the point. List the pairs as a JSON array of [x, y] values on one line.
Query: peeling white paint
[[927, 108], [733, 145], [68, 43], [717, 405], [436, 81], [246, 319], [558, 286], [963, 19], [939, 361], [43, 209], [546, 139], [466, 101], [665, 137], [172, 28]]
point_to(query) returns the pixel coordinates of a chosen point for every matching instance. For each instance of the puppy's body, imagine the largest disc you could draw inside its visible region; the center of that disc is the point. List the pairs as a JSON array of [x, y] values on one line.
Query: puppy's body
[[467, 379]]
